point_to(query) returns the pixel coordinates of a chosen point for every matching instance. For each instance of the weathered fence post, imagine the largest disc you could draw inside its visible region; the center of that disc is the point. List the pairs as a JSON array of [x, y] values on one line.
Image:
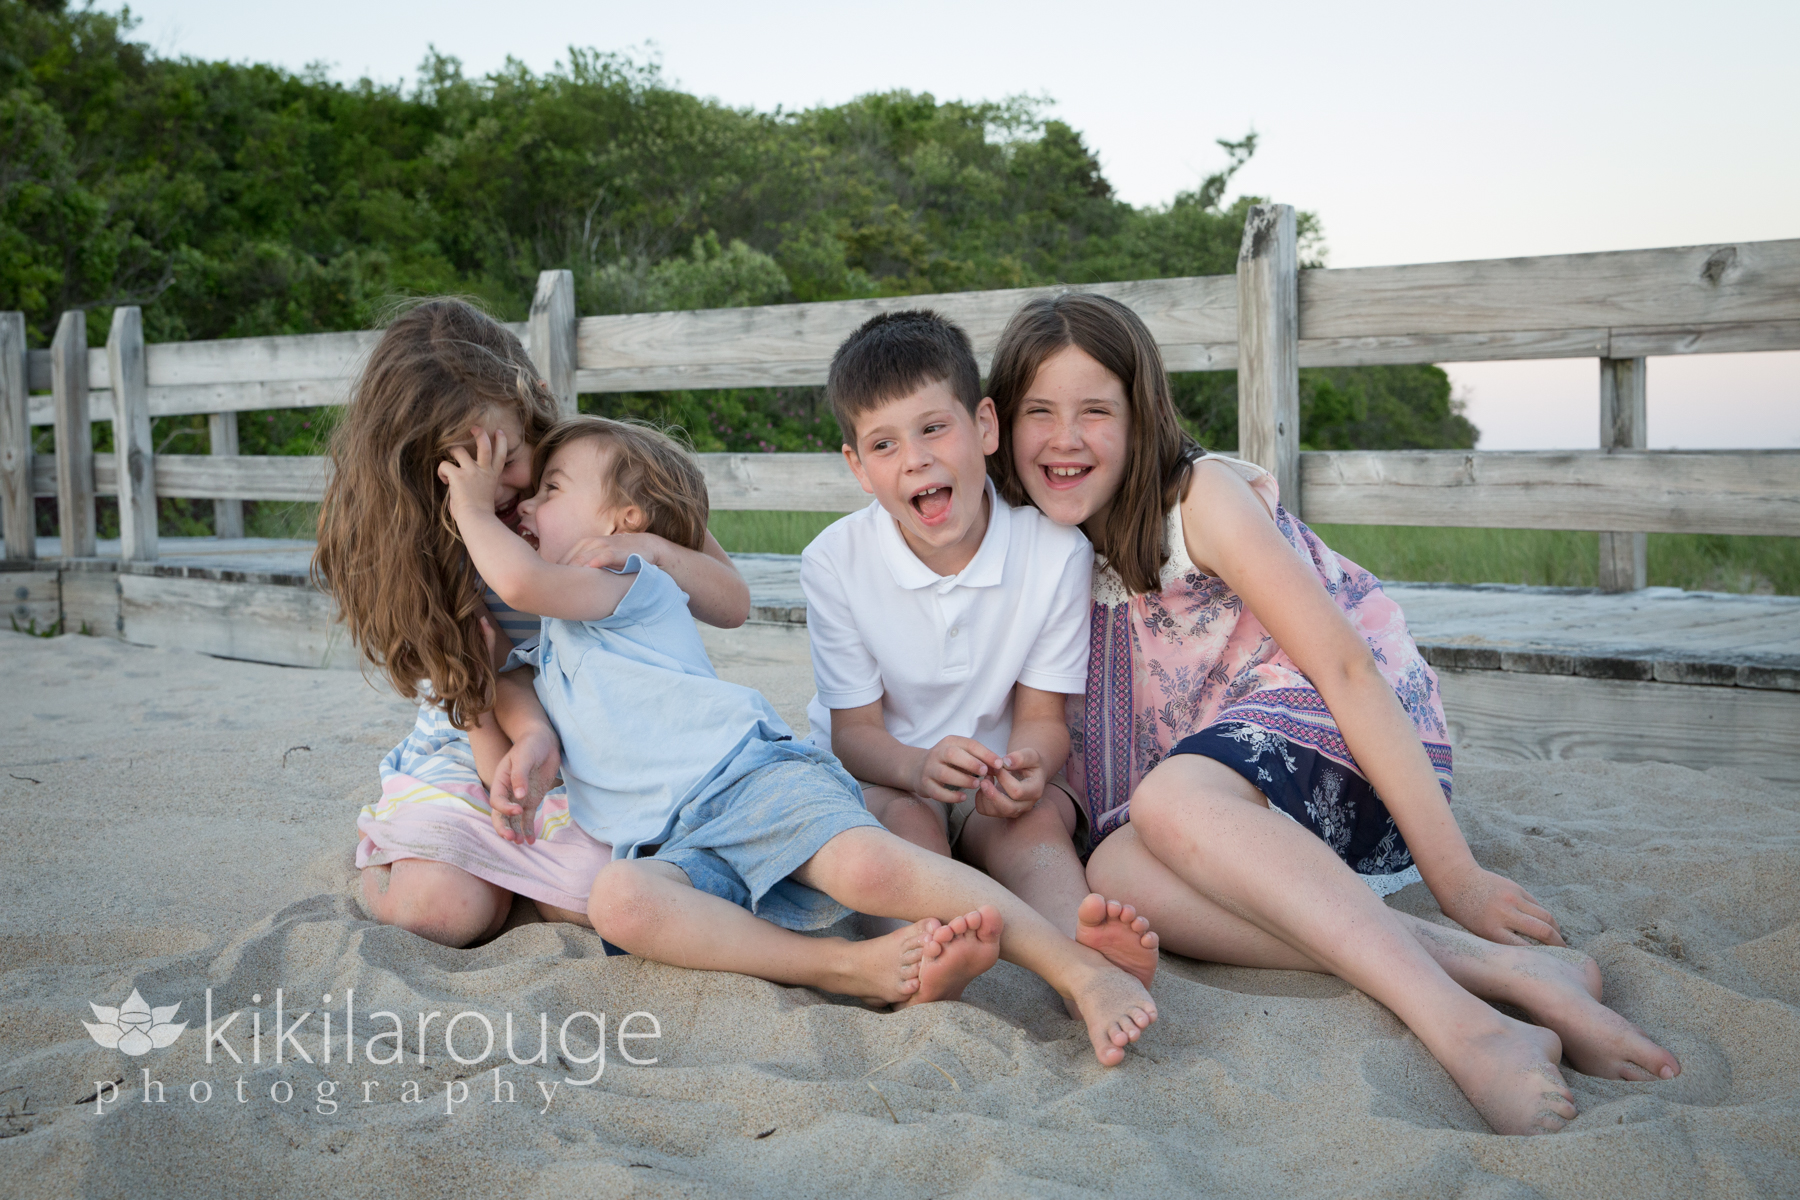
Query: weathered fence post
[[133, 453], [222, 434], [20, 510], [553, 325], [1623, 420], [74, 441], [1268, 273]]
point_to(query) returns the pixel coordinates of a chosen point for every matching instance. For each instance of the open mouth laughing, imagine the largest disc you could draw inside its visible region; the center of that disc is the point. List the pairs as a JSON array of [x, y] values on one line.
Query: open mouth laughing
[[1062, 476], [932, 504]]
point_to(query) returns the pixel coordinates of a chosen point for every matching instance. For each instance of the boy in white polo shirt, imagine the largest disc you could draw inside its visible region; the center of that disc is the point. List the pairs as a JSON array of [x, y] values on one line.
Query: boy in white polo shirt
[[948, 628]]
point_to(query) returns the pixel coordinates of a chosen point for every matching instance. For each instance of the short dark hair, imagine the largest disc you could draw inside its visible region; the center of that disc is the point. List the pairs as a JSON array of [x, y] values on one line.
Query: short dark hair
[[649, 469], [897, 353]]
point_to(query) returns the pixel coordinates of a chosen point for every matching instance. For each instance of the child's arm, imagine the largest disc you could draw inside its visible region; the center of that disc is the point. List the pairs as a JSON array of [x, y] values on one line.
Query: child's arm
[[504, 560], [530, 766], [1230, 533], [1037, 749], [717, 594], [487, 740], [517, 754]]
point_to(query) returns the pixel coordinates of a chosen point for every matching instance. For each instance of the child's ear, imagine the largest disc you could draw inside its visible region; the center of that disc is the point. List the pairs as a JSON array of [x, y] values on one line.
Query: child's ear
[[856, 468], [987, 420], [633, 520]]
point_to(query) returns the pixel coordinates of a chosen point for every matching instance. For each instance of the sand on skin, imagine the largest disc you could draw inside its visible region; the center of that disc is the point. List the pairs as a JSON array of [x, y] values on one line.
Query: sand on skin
[[175, 839]]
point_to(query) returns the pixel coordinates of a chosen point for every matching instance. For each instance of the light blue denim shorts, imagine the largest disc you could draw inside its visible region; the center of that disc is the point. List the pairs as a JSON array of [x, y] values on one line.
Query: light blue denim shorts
[[783, 801]]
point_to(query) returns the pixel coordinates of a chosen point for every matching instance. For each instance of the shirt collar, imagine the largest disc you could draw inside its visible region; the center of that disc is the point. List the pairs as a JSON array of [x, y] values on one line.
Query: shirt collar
[[984, 570]]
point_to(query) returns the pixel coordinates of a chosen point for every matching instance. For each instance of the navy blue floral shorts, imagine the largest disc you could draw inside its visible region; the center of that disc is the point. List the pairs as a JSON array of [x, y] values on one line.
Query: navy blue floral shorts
[[1337, 804]]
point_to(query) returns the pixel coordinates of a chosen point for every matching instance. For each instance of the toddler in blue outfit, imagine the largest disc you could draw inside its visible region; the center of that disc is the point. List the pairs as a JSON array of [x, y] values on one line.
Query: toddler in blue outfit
[[727, 832]]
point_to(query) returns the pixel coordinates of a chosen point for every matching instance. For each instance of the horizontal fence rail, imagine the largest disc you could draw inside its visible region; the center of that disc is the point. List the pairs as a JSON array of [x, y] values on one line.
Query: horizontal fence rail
[[1617, 307], [1690, 491], [1624, 304], [1659, 491]]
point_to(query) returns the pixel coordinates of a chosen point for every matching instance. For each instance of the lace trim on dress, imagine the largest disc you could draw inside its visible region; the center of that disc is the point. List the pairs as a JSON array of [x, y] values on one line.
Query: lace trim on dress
[[1110, 590]]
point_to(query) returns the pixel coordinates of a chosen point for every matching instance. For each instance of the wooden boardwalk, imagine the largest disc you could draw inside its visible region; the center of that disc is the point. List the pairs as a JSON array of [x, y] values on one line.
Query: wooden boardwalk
[[1696, 678]]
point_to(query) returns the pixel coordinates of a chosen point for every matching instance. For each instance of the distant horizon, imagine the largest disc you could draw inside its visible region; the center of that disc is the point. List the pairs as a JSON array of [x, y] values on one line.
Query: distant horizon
[[1417, 133]]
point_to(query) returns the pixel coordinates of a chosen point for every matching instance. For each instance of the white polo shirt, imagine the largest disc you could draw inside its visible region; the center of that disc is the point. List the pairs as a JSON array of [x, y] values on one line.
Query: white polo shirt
[[943, 652]]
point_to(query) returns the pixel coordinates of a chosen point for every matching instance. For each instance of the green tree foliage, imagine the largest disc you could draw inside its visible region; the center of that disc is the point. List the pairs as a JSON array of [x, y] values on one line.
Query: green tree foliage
[[233, 200]]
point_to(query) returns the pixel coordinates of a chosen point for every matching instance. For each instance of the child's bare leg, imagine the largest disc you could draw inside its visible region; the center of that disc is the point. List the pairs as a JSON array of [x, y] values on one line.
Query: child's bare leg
[[1034, 858], [1210, 828], [650, 909], [918, 819], [436, 901], [1562, 995], [1187, 920], [874, 872], [552, 913]]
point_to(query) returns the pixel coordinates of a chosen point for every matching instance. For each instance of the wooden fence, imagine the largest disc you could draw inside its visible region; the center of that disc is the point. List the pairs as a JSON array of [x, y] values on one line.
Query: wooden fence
[[1266, 321]]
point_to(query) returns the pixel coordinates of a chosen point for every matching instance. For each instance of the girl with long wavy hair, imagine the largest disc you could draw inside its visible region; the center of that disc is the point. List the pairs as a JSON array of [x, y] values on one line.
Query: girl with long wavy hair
[[439, 855], [1261, 749]]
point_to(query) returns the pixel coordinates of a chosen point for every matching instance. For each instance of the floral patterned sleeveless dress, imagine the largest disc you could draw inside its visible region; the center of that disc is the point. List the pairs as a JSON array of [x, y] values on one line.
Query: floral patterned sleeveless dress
[[1190, 670]]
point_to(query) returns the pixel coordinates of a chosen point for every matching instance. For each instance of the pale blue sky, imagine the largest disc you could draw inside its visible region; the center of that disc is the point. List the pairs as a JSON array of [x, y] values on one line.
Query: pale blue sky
[[1419, 132]]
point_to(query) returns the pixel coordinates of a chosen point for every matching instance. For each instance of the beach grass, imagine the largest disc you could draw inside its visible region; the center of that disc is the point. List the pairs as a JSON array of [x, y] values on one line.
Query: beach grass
[[768, 532], [1553, 558]]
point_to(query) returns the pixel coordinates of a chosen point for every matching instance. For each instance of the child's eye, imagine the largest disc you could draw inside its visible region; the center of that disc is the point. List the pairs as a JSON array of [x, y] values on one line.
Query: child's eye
[[934, 427], [882, 445]]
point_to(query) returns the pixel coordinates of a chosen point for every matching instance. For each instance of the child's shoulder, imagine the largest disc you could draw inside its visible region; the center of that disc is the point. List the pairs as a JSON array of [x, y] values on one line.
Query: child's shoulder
[[1032, 530], [841, 539]]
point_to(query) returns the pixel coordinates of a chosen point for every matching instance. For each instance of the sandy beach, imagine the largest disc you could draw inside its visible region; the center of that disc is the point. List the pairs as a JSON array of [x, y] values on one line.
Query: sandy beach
[[180, 827]]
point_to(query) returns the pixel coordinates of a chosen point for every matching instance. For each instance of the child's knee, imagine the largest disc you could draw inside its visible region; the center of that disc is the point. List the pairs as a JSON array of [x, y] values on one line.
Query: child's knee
[[1047, 822], [450, 911], [622, 902], [860, 863], [1152, 804]]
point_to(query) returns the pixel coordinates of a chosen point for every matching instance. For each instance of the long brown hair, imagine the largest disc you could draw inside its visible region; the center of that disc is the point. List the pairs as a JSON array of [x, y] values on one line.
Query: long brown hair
[[1158, 456], [389, 553]]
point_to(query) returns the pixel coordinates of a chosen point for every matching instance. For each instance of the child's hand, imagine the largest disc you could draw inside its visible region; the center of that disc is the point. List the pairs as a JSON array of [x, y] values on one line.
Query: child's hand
[[611, 552], [474, 481], [520, 781], [1494, 907], [1015, 787], [952, 767]]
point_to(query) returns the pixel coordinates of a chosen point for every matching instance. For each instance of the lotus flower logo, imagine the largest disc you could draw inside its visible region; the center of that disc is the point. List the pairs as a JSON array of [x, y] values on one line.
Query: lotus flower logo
[[134, 1026]]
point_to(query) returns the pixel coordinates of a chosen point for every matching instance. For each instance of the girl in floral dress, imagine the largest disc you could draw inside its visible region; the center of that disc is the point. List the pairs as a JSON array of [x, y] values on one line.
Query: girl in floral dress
[[1261, 750]]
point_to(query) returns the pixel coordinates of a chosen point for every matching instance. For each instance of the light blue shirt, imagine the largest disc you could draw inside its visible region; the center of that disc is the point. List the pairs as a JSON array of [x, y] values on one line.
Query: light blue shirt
[[646, 725]]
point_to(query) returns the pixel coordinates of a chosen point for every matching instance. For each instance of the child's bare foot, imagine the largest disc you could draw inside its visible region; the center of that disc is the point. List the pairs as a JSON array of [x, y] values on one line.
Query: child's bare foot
[[1116, 1009], [884, 970], [1565, 997], [952, 955], [1119, 934], [1509, 1074]]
